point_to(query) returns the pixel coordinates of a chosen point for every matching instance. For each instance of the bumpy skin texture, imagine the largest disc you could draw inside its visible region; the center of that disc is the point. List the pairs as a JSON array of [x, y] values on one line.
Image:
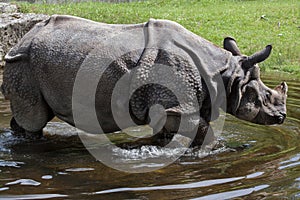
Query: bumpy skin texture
[[41, 69]]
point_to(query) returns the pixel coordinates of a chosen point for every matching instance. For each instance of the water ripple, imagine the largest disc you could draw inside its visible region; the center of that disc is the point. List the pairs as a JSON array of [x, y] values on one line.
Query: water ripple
[[232, 194], [79, 169], [292, 162], [205, 183], [24, 182], [32, 196], [199, 184]]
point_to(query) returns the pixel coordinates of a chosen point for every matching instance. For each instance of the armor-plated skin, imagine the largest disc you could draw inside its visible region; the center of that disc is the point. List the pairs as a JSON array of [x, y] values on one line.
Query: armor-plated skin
[[41, 69]]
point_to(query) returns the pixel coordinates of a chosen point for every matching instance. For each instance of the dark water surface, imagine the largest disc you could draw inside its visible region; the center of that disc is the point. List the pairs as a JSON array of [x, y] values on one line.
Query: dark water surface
[[259, 162]]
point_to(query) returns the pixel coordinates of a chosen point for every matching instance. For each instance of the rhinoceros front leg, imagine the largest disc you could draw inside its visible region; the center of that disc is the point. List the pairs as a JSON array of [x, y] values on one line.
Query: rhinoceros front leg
[[29, 117], [204, 135], [194, 132]]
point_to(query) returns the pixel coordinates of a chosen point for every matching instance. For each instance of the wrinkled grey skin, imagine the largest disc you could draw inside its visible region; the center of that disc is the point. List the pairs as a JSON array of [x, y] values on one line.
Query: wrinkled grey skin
[[40, 71], [249, 98]]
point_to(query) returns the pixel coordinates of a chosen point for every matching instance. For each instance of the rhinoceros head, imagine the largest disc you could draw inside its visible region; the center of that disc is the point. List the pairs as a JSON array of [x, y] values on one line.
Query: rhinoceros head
[[250, 99]]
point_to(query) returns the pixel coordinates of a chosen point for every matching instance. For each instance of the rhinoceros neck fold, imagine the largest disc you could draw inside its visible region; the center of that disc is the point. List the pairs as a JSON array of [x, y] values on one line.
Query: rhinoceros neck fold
[[170, 51], [233, 78]]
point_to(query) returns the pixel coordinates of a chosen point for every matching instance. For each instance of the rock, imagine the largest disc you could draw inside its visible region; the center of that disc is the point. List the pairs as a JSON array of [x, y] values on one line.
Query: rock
[[8, 8], [13, 26]]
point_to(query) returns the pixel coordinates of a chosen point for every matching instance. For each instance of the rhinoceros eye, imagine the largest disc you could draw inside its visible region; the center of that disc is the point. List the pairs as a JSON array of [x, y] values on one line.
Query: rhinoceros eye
[[268, 96]]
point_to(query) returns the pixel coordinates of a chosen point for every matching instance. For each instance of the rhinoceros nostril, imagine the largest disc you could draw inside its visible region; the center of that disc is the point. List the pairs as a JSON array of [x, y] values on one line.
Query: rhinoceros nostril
[[281, 118], [283, 114]]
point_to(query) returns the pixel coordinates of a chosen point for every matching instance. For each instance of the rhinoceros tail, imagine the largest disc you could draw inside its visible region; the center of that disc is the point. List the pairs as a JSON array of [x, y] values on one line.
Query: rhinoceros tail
[[17, 57]]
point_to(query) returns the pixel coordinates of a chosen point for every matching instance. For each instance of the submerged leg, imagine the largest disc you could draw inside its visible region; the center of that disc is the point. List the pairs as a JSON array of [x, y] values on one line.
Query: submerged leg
[[21, 132], [204, 136], [16, 128]]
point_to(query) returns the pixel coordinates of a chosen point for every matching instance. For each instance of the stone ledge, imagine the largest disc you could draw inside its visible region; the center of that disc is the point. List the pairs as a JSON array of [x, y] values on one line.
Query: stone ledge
[[13, 26], [8, 8]]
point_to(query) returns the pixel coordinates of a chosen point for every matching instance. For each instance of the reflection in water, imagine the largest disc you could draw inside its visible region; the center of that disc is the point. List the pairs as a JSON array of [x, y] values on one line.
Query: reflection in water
[[232, 194], [294, 161], [174, 187], [6, 163], [3, 188], [199, 184], [47, 177], [24, 182], [79, 169], [32, 196], [59, 166]]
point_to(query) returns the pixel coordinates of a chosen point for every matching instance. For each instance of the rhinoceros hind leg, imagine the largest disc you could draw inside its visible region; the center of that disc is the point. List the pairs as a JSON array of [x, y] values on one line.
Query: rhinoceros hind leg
[[21, 132], [15, 127], [30, 110]]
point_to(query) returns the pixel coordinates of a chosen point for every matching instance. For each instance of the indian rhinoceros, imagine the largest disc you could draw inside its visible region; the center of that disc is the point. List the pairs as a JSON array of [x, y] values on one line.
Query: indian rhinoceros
[[162, 62]]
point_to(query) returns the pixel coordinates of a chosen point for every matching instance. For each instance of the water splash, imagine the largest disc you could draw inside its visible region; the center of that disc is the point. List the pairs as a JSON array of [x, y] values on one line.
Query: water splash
[[149, 151], [146, 152], [9, 163], [7, 139]]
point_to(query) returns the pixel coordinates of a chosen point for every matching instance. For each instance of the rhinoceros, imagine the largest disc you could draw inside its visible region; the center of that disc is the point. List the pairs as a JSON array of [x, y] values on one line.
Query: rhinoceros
[[159, 62]]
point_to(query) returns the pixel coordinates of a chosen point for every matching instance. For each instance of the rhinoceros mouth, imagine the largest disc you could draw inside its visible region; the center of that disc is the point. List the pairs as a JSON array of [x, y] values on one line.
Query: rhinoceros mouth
[[281, 118], [269, 120]]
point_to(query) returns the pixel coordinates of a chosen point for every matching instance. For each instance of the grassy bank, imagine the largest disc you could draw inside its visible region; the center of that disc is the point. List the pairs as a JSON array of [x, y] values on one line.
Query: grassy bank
[[254, 23]]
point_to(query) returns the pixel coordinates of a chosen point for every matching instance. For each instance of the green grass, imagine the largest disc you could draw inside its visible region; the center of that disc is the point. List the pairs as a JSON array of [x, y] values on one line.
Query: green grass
[[211, 19]]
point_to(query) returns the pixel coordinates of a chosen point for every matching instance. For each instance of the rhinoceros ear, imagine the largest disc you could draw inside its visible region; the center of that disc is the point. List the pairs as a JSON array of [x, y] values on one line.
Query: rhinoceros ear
[[282, 88], [260, 56], [229, 44]]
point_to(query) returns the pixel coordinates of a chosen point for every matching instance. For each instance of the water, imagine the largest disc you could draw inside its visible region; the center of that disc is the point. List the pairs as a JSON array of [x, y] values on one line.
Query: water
[[258, 162]]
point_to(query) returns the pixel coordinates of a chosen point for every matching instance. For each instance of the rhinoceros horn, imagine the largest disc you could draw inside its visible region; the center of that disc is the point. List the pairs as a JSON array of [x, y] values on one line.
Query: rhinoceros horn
[[260, 56], [230, 45]]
